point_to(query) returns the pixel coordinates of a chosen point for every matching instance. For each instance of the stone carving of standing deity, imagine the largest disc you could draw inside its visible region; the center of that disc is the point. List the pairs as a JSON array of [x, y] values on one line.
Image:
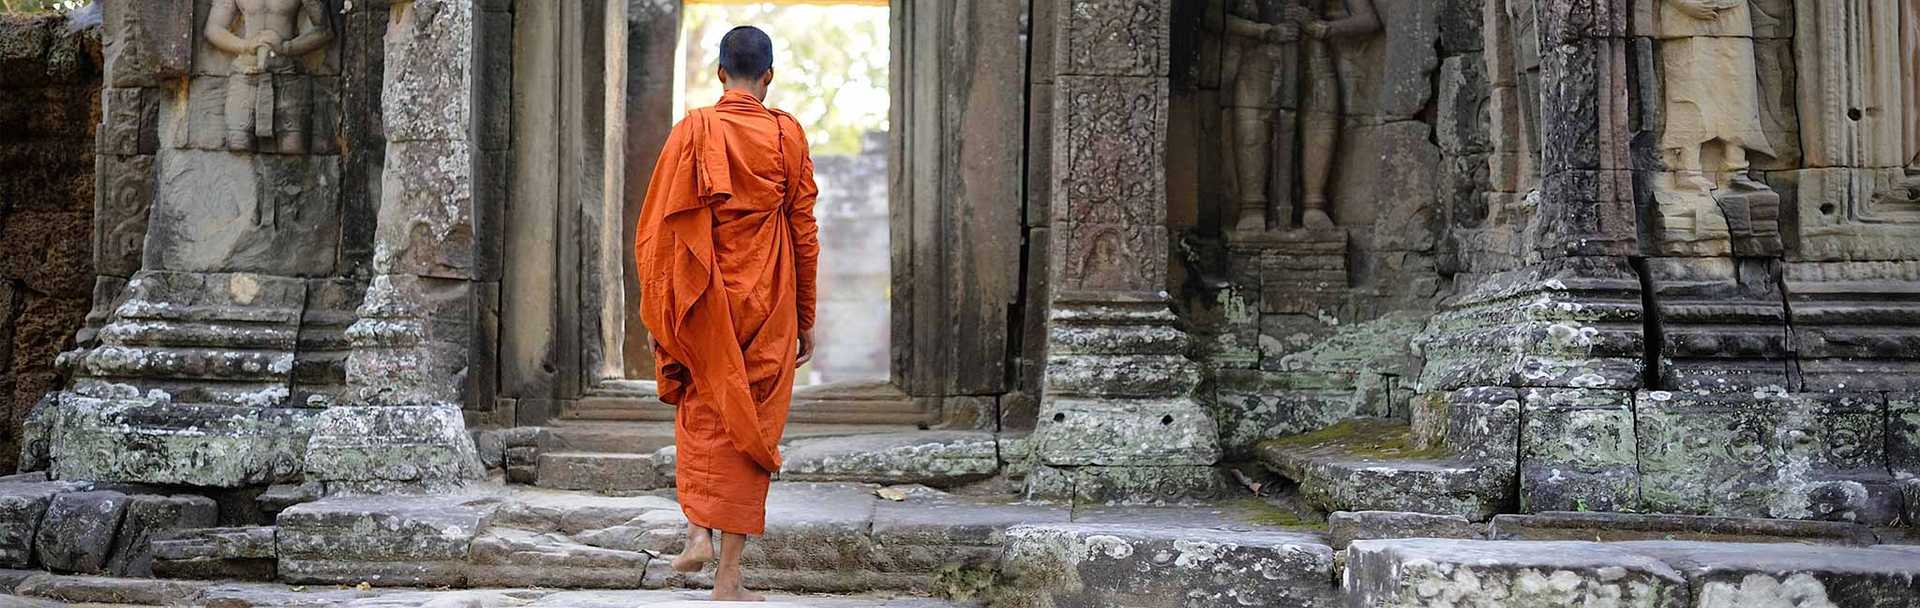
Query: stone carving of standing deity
[[268, 95], [1712, 114], [1320, 106], [1252, 39]]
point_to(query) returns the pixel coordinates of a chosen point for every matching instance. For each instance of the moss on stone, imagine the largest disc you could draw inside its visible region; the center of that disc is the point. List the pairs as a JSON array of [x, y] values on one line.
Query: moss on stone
[[1262, 513], [1366, 438]]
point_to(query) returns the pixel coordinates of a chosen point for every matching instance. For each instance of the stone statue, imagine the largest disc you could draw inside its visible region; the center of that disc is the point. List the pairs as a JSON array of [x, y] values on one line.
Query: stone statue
[[1252, 39], [1712, 116], [268, 96], [1320, 105]]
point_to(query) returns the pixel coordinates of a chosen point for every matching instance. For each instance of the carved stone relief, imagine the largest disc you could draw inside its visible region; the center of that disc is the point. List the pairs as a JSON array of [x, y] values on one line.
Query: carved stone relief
[[1712, 124], [268, 94]]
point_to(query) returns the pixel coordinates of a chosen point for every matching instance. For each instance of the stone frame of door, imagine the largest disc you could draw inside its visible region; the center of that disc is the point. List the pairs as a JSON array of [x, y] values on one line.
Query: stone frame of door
[[577, 137]]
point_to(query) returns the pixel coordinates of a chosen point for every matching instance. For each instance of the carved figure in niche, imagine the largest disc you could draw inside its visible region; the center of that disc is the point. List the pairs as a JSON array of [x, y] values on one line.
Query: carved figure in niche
[[1320, 102], [1712, 116], [268, 96], [1253, 41]]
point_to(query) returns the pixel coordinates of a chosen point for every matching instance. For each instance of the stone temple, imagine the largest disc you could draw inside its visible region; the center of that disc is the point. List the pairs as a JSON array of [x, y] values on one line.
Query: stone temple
[[1382, 303]]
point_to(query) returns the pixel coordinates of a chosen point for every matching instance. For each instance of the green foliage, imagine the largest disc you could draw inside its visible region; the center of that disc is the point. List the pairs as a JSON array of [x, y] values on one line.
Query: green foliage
[[42, 6], [830, 65]]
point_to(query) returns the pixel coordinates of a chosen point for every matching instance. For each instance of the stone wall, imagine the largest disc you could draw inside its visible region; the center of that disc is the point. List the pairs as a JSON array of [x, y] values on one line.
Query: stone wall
[[49, 105], [1311, 198]]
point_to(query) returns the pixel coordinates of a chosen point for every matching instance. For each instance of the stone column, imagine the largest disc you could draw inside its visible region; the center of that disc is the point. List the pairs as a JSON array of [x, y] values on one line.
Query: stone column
[[1117, 420], [400, 428]]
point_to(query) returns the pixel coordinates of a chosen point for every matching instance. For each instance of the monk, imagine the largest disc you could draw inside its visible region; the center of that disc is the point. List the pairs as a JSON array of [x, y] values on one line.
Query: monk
[[726, 250]]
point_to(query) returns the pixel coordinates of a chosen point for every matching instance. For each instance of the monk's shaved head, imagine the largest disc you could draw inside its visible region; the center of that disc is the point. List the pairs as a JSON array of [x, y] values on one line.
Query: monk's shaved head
[[746, 52]]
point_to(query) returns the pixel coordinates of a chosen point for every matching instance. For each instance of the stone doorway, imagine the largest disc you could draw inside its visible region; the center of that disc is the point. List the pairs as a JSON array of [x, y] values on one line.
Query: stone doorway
[[595, 93]]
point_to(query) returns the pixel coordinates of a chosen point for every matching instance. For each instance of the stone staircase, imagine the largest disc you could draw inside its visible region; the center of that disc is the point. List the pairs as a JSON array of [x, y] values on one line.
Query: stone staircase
[[1375, 464]]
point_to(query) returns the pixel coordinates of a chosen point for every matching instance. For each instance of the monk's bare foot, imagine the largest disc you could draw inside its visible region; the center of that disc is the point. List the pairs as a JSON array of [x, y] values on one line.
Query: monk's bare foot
[[694, 558], [736, 594]]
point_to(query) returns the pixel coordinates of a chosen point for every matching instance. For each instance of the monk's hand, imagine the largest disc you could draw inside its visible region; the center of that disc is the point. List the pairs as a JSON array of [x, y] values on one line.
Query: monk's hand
[[806, 349]]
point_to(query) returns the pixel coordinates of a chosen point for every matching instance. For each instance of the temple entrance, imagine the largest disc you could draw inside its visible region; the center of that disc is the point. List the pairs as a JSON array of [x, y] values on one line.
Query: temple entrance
[[832, 75], [923, 204]]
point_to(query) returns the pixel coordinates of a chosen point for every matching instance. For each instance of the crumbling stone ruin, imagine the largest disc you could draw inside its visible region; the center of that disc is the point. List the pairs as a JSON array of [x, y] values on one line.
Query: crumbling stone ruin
[[1200, 302]]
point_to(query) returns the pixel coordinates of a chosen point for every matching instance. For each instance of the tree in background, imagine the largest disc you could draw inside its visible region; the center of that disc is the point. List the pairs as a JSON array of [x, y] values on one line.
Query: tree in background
[[830, 64], [41, 6]]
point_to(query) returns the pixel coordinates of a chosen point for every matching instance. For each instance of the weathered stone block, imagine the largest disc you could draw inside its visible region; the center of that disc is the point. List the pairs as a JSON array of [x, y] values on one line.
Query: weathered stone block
[[1424, 572], [600, 472], [1615, 527], [23, 507], [1802, 456], [275, 214], [1371, 465], [1252, 405], [505, 557], [405, 540], [177, 443], [1577, 451], [1567, 322], [1344, 527], [1172, 431], [426, 224], [1483, 424], [1093, 565], [817, 528], [933, 458], [377, 449], [1127, 485], [216, 553], [149, 517], [147, 43], [429, 56], [78, 531], [1731, 575], [1903, 434]]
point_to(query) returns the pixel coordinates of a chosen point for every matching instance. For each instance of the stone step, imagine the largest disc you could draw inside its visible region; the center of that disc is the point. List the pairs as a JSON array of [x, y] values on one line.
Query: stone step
[[820, 537], [1431, 572], [941, 459], [1127, 566], [604, 472], [934, 458], [1372, 465], [38, 589]]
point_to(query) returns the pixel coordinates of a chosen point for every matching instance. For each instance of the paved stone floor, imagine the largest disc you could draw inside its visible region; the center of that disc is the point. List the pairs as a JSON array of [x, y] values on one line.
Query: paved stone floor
[[41, 589]]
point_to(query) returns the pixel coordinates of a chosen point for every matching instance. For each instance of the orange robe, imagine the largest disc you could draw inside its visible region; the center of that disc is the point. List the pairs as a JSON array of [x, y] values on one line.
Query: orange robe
[[726, 250]]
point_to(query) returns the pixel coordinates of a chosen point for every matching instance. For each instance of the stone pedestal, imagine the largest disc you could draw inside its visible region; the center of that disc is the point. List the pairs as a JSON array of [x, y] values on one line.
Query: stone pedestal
[[188, 385]]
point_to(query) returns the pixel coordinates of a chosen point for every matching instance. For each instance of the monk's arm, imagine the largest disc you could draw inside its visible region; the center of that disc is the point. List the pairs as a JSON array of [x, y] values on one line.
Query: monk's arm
[[806, 236]]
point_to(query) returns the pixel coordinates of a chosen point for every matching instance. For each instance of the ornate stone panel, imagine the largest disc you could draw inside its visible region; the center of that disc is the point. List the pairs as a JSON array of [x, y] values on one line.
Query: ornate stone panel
[[1113, 37], [1762, 454], [1108, 157], [123, 199]]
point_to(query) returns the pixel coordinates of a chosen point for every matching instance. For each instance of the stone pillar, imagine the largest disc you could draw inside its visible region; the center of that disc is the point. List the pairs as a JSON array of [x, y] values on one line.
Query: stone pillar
[[1118, 420], [415, 348]]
